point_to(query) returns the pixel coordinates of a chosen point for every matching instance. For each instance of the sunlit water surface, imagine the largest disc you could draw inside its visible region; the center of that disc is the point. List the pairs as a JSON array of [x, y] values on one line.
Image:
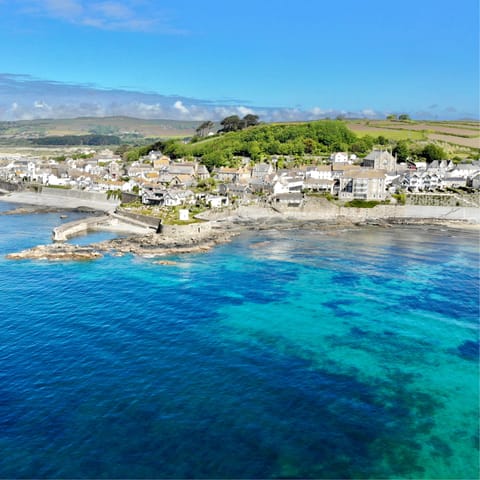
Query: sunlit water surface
[[281, 354]]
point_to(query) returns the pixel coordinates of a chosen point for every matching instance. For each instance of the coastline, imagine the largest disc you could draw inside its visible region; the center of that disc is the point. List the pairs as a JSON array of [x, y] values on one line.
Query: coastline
[[218, 230]]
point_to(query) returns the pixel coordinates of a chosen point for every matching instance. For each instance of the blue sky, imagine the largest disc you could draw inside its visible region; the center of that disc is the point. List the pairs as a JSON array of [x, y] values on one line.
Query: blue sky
[[284, 59]]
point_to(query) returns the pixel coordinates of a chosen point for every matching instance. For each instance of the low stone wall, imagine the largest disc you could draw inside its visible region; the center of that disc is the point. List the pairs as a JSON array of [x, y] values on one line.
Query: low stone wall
[[130, 197], [144, 219], [443, 199]]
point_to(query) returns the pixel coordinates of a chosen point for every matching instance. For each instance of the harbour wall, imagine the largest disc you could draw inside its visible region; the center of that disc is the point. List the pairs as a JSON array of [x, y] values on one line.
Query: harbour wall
[[71, 229], [114, 221]]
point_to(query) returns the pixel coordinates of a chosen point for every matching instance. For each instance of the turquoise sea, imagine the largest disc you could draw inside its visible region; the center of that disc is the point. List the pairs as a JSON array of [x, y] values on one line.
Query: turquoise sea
[[298, 354]]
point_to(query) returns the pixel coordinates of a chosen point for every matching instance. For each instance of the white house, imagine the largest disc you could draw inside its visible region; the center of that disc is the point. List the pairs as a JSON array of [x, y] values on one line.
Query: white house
[[217, 201], [323, 172], [340, 157]]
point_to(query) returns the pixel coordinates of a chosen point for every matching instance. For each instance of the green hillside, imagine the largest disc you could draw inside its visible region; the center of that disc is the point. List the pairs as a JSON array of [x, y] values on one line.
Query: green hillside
[[312, 138]]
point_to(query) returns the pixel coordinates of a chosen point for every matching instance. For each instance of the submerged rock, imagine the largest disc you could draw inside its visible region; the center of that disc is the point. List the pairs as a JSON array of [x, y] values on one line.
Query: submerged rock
[[165, 262]]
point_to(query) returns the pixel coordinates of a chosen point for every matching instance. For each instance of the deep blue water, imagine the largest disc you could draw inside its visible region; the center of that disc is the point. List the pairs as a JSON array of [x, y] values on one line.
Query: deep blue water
[[282, 354]]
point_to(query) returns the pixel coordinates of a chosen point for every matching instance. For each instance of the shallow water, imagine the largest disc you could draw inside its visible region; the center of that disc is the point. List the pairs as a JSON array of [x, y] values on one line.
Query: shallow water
[[290, 354]]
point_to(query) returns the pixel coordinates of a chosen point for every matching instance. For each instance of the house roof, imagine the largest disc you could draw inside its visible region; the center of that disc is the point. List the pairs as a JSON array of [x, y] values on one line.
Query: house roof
[[319, 181], [344, 166], [366, 173]]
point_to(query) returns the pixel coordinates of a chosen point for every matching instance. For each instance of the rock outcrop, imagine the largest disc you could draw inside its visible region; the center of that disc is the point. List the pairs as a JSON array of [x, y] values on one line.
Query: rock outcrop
[[57, 252]]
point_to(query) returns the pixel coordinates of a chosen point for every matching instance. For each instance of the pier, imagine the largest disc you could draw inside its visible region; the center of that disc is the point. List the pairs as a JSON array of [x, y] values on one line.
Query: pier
[[113, 222]]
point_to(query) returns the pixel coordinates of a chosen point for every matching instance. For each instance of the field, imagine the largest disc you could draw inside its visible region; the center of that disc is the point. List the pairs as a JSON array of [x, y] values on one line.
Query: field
[[362, 130], [461, 134]]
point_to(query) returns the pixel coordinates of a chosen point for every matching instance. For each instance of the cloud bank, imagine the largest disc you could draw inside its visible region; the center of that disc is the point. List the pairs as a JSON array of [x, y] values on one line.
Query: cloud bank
[[23, 97]]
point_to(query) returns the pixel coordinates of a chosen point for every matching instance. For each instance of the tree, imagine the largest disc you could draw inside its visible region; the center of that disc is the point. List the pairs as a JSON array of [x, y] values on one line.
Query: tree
[[250, 120], [392, 116], [404, 116], [381, 140], [254, 150], [117, 194], [433, 152], [204, 128], [231, 124], [401, 150]]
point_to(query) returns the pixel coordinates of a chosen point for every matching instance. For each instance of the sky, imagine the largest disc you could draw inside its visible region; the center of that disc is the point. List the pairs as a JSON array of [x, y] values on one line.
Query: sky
[[281, 59]]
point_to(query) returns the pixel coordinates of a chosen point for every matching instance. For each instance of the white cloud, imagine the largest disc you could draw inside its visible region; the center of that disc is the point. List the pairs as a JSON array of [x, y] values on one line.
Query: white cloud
[[41, 105], [245, 111], [23, 97], [317, 111], [68, 9], [118, 15], [178, 105], [113, 10]]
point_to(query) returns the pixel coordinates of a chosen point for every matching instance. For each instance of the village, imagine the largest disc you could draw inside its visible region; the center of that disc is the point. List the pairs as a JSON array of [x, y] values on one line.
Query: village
[[156, 180]]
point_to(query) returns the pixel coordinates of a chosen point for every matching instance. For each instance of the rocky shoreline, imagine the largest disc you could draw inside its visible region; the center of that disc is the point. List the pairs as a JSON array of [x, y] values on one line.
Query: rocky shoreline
[[35, 209], [180, 240], [151, 244], [158, 245], [58, 252]]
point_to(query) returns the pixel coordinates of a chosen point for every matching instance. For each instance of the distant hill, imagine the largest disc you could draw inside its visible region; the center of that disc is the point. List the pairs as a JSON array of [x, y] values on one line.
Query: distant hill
[[121, 126]]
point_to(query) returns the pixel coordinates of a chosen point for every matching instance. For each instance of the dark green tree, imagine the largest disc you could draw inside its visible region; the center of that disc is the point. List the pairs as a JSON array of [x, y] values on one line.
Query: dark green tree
[[250, 120], [204, 128], [404, 116], [401, 150], [231, 123], [433, 152]]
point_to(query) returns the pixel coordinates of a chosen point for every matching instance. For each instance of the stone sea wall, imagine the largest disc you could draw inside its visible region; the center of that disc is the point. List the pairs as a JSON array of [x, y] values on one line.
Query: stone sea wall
[[78, 194], [321, 209]]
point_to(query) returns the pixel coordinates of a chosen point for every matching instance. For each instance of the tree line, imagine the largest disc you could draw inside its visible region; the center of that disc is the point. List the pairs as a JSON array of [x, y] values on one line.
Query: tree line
[[231, 123]]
